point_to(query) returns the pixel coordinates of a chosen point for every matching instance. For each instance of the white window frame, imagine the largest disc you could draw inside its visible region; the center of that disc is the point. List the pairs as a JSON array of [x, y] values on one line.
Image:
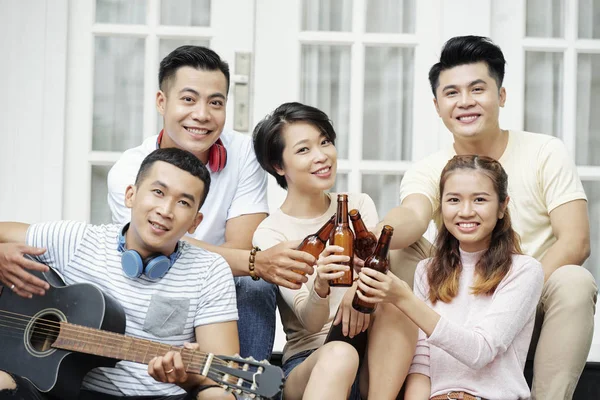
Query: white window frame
[[509, 31], [229, 33], [289, 40]]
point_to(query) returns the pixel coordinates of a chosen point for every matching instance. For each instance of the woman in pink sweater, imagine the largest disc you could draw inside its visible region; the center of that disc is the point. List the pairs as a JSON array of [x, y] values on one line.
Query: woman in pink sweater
[[475, 300]]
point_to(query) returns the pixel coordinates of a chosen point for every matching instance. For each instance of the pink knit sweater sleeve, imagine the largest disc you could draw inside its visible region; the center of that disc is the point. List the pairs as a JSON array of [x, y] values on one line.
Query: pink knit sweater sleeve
[[420, 362], [513, 303]]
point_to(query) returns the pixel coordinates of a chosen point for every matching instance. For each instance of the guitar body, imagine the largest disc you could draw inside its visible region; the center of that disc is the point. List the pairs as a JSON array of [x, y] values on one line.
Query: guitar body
[[29, 326]]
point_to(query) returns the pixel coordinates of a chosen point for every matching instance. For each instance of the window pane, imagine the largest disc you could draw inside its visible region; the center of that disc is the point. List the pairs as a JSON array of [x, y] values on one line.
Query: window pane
[[589, 19], [100, 212], [391, 16], [327, 15], [543, 92], [388, 103], [185, 12], [592, 190], [118, 93], [341, 183], [121, 11], [325, 84], [384, 190], [588, 103], [545, 18]]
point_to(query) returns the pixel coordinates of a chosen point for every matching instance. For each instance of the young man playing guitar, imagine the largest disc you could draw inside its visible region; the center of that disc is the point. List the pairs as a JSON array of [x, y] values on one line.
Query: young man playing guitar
[[170, 291]]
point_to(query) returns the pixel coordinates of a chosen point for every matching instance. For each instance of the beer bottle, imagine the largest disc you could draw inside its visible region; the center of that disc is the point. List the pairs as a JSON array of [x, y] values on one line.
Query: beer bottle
[[378, 261], [343, 236], [365, 241], [314, 244]]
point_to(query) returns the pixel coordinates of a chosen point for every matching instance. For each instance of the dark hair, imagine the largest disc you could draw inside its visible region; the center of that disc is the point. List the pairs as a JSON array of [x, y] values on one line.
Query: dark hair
[[190, 56], [268, 139], [181, 159], [445, 267], [462, 50]]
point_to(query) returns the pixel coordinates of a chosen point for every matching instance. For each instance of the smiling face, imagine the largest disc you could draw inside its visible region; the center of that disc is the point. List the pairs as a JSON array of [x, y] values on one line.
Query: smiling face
[[471, 208], [193, 110], [164, 206], [468, 101], [309, 159]]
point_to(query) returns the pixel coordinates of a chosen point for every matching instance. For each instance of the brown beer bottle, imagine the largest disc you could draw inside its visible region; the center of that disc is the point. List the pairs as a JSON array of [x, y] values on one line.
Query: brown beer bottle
[[365, 241], [378, 261], [343, 236], [314, 244]]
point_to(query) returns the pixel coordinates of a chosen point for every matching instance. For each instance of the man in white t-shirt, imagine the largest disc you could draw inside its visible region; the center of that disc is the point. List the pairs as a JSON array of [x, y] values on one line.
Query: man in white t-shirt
[[194, 83], [151, 273], [548, 205]]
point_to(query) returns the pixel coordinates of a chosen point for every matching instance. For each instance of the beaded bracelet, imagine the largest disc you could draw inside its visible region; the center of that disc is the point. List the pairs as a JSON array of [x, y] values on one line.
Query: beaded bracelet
[[253, 252]]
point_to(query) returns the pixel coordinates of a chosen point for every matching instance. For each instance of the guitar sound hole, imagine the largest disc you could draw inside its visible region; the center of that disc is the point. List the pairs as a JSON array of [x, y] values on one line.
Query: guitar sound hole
[[43, 332]]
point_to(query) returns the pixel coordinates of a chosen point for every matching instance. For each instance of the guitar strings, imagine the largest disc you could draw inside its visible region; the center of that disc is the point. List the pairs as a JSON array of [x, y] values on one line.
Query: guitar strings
[[72, 331], [66, 329], [52, 328], [231, 381], [44, 325]]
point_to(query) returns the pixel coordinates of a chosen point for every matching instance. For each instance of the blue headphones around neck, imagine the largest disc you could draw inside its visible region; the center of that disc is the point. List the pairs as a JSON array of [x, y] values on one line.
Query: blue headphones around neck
[[134, 266]]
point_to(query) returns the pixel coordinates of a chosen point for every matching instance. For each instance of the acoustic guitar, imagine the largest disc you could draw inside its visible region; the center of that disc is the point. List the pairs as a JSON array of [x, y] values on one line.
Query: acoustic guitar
[[56, 339]]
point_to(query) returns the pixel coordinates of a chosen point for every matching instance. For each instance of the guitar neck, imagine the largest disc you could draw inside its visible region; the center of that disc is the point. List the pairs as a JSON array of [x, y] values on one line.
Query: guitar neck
[[87, 340]]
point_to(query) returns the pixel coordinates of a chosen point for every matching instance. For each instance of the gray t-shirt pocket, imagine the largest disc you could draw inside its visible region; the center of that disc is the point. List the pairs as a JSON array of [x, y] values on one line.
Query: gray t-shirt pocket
[[166, 316]]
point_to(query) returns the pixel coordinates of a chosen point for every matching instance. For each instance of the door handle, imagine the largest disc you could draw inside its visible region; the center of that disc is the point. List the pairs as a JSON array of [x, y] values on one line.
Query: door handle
[[241, 91]]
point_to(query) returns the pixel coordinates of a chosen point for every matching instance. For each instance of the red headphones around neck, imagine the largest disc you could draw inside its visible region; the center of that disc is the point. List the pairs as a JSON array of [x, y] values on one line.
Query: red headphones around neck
[[217, 154]]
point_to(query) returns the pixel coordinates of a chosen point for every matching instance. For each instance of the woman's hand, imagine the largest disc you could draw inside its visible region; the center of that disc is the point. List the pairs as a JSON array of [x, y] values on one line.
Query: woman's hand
[[327, 269], [376, 287], [353, 322]]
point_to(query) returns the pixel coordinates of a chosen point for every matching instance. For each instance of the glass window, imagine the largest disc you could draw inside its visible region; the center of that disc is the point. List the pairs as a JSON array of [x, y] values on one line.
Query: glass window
[[121, 11], [384, 190], [589, 19], [587, 140], [545, 18], [185, 12], [388, 103], [341, 183], [327, 15], [100, 211], [543, 92], [390, 16], [118, 93], [592, 190], [325, 84]]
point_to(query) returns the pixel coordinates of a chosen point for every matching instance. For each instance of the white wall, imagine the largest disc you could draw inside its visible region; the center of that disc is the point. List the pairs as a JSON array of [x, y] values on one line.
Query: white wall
[[33, 44]]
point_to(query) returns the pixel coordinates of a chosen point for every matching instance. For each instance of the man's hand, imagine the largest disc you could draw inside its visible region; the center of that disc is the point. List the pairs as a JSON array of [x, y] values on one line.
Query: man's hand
[[168, 368], [353, 322], [283, 265], [13, 267]]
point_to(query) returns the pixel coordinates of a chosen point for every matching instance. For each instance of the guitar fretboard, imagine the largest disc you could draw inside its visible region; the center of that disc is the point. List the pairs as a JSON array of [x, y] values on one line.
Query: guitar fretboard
[[87, 340]]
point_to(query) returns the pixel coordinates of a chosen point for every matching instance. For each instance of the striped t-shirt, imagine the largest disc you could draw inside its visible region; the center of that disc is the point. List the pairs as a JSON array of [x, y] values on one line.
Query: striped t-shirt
[[199, 287]]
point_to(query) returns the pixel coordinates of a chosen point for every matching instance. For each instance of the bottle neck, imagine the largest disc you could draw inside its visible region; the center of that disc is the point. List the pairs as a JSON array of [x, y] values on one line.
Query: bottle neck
[[383, 245], [342, 212], [359, 225], [325, 231]]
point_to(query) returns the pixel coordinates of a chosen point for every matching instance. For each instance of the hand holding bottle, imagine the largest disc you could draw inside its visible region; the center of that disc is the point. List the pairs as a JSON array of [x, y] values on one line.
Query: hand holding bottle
[[378, 261], [330, 267], [377, 287]]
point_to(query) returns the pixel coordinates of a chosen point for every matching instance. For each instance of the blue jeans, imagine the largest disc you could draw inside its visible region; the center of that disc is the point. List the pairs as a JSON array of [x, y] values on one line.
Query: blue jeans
[[257, 303]]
